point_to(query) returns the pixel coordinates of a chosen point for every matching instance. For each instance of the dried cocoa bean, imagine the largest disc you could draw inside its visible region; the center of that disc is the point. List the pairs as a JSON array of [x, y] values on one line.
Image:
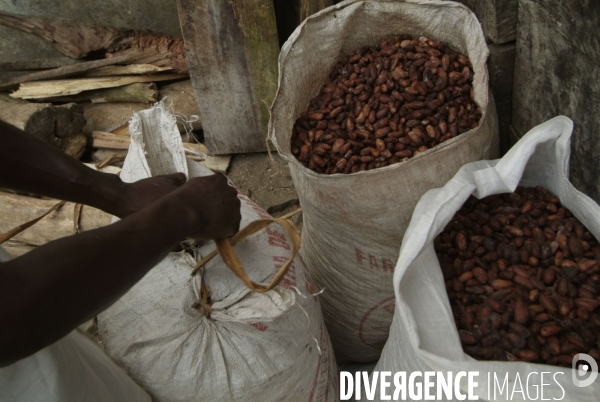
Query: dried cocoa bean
[[529, 276], [395, 94]]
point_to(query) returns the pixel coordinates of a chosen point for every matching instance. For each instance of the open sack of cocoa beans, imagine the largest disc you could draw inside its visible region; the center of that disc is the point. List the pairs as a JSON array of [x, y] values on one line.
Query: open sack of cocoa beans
[[378, 102], [209, 337], [498, 274]]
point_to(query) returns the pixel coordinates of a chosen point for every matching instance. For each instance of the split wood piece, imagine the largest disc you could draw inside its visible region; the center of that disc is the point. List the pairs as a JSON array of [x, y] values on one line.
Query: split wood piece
[[17, 209], [75, 145], [106, 140], [114, 158], [45, 121], [233, 89], [225, 249], [199, 153], [39, 64], [144, 47], [123, 129], [139, 92], [47, 89], [62, 72], [132, 69], [196, 152]]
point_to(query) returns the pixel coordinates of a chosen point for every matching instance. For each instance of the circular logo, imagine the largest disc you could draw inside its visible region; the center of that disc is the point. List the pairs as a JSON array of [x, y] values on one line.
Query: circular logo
[[374, 327]]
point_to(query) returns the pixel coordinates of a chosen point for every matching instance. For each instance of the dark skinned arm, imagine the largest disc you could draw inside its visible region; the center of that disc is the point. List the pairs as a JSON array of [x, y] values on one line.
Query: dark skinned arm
[[30, 165], [48, 292]]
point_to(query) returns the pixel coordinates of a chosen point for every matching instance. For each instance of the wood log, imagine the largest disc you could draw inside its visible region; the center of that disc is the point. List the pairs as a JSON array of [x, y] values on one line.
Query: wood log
[[195, 151], [498, 18], [48, 122], [61, 72], [181, 97], [233, 88], [39, 64], [556, 73], [145, 47], [141, 92], [18, 209], [48, 89], [131, 69], [109, 116]]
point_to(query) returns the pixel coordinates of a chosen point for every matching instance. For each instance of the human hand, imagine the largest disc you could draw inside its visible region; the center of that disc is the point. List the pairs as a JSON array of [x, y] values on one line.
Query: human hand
[[138, 195], [206, 208]]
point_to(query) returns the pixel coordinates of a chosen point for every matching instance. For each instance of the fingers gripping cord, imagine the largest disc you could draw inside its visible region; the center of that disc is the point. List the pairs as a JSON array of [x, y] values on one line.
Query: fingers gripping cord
[[225, 249]]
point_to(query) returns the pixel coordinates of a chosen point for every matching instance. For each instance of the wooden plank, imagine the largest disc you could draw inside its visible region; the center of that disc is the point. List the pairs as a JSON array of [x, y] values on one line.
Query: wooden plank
[[105, 140], [131, 69], [498, 18], [139, 92], [195, 151], [233, 88], [216, 163], [62, 72], [46, 89], [122, 130], [556, 73], [17, 209], [39, 64]]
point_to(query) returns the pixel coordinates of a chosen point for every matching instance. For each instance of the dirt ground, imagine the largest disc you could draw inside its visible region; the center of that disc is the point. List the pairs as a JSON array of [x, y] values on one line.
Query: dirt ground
[[267, 181]]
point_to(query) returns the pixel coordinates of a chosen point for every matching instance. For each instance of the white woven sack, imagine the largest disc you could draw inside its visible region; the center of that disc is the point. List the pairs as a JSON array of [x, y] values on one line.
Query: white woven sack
[[354, 223], [423, 336], [270, 346]]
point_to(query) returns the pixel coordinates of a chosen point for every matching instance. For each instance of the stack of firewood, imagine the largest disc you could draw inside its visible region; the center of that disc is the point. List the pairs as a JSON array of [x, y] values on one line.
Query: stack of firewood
[[82, 102]]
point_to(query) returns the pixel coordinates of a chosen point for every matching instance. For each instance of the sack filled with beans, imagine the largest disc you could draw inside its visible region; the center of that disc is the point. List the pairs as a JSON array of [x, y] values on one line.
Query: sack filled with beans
[[378, 102], [498, 274]]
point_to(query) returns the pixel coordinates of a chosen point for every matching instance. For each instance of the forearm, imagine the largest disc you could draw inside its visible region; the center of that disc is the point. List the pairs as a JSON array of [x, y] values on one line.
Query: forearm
[[49, 291], [33, 166]]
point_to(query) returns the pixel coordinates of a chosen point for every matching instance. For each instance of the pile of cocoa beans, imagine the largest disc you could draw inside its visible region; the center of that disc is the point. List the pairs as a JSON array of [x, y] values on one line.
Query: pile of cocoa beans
[[385, 104], [523, 279]]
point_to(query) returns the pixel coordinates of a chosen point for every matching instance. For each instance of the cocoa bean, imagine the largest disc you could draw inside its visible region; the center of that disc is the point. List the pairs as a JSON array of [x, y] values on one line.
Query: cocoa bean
[[395, 94], [530, 281], [549, 330]]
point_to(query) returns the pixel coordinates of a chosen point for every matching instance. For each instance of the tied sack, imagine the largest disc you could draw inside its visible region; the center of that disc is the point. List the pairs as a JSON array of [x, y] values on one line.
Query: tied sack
[[354, 223], [423, 335], [208, 337]]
